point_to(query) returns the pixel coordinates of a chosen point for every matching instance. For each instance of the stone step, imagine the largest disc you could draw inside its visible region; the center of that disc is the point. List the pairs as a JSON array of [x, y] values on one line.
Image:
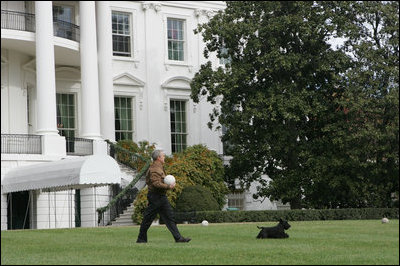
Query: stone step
[[125, 219]]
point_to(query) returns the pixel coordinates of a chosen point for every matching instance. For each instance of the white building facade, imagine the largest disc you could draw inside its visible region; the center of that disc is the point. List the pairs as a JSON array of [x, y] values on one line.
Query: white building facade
[[77, 73]]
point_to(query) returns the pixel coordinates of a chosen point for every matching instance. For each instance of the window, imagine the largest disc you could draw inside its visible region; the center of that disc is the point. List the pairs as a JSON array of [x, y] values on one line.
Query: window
[[176, 39], [121, 31], [63, 17], [226, 145], [223, 60], [123, 118], [236, 200], [178, 125], [66, 118]]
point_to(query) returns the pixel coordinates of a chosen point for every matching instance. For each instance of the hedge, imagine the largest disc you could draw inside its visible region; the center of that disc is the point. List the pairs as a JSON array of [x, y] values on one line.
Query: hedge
[[290, 215]]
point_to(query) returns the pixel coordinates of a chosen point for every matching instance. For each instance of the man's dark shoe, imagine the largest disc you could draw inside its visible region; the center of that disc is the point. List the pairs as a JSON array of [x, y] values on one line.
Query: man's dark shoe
[[183, 240], [141, 241]]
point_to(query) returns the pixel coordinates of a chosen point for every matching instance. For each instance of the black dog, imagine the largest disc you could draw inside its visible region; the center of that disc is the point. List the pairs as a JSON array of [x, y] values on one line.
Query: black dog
[[277, 231]]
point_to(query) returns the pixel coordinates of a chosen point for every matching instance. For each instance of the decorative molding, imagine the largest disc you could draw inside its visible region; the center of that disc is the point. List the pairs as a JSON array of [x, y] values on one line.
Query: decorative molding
[[156, 6], [30, 66], [145, 6], [4, 60], [179, 85], [68, 73], [210, 13], [198, 12], [128, 80], [204, 12]]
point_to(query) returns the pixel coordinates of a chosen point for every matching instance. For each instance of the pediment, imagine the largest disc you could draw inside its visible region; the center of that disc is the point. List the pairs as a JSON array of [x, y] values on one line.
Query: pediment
[[128, 80], [182, 83]]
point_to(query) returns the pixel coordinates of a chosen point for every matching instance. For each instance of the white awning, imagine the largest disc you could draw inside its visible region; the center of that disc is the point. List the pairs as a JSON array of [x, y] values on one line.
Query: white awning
[[76, 173]]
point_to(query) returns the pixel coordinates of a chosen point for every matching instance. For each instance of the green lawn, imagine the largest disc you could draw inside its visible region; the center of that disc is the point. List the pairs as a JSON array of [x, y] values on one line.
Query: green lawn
[[310, 242]]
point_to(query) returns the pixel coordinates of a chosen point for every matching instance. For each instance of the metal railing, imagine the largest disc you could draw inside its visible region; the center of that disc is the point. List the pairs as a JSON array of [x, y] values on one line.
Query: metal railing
[[66, 30], [127, 195], [15, 20], [21, 144], [79, 146]]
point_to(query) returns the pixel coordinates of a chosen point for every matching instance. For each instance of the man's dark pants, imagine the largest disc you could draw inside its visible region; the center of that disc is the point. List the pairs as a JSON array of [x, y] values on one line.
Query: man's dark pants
[[158, 203]]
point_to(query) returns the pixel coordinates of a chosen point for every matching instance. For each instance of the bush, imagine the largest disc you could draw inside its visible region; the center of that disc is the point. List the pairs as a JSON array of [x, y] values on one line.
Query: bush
[[294, 215], [202, 166], [196, 165], [196, 198], [143, 149]]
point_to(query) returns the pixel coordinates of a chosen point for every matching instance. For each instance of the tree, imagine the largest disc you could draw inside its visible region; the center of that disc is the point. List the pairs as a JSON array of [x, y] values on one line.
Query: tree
[[286, 96], [364, 136]]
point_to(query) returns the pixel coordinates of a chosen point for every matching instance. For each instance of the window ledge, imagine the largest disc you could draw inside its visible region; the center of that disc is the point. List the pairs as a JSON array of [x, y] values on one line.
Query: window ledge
[[170, 64]]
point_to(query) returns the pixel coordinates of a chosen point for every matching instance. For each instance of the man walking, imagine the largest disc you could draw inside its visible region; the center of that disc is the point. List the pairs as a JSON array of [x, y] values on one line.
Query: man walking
[[158, 201]]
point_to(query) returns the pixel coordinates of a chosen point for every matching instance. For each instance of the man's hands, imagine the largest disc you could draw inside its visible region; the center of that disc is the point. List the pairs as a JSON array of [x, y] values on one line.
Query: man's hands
[[172, 186]]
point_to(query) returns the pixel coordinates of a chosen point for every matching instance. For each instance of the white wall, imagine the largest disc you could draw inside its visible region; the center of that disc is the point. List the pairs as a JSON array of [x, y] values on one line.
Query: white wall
[[151, 67], [91, 199], [14, 91], [53, 210]]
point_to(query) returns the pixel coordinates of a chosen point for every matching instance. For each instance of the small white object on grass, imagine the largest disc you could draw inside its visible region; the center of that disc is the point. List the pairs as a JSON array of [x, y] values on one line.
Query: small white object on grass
[[385, 220], [204, 223]]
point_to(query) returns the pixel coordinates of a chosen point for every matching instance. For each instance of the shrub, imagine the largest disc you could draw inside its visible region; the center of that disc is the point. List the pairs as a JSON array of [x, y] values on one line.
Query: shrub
[[196, 165], [143, 149], [202, 166], [196, 198], [294, 215]]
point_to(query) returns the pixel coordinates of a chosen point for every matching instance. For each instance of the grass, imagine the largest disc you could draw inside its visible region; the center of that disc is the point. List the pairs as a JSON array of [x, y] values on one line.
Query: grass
[[311, 242]]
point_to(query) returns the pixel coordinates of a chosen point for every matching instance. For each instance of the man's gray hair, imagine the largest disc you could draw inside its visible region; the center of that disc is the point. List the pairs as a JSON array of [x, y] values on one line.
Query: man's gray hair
[[156, 154]]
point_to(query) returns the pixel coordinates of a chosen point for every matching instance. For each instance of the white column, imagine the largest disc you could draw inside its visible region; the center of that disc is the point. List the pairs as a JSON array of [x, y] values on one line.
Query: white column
[[89, 71], [52, 143], [105, 51], [45, 70]]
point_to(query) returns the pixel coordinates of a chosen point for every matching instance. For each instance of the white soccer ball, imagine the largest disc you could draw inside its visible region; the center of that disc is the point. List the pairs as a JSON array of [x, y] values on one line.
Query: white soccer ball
[[169, 180], [385, 220], [204, 223]]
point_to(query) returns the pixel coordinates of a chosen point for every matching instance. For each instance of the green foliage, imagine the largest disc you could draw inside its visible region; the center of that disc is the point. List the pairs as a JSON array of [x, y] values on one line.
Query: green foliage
[[196, 165], [322, 123], [203, 167], [358, 152], [296, 215], [142, 153], [196, 198]]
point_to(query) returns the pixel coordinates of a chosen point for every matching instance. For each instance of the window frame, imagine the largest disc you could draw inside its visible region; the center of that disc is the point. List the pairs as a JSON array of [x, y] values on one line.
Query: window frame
[[177, 41], [186, 123], [188, 42], [75, 106], [238, 198], [123, 35], [133, 29], [132, 116]]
